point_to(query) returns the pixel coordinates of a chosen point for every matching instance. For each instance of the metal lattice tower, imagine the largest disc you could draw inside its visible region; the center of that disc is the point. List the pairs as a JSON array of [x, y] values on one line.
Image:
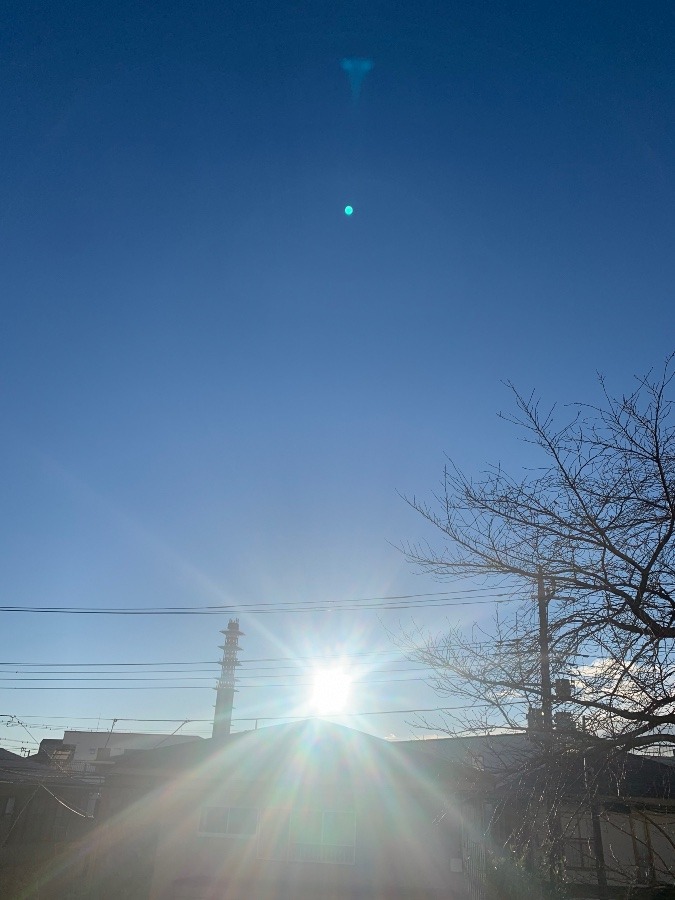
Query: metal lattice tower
[[222, 720]]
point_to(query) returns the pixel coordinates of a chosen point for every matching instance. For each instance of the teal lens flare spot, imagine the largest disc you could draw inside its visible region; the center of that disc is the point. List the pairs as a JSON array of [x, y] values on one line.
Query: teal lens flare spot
[[349, 210]]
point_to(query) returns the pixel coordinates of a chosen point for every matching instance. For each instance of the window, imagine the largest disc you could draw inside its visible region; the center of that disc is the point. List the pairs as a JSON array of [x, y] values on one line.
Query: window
[[578, 844], [235, 821], [338, 837], [307, 835], [327, 836]]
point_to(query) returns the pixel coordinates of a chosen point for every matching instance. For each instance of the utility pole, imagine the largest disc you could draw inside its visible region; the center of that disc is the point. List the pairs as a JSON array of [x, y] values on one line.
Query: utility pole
[[550, 801], [545, 660], [555, 860], [596, 825]]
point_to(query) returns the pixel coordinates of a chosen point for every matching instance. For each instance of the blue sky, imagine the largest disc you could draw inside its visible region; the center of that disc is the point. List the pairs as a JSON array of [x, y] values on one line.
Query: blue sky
[[213, 384]]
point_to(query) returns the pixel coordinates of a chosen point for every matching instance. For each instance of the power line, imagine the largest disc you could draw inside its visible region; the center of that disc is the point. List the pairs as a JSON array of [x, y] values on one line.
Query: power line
[[175, 687], [297, 667], [464, 592], [183, 687], [6, 740], [378, 712], [206, 662], [97, 672], [365, 603], [381, 712], [215, 663], [190, 674], [324, 657], [241, 682]]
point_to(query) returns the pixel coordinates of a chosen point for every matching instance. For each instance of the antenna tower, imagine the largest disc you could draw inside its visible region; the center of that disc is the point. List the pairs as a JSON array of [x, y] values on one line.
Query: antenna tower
[[225, 689]]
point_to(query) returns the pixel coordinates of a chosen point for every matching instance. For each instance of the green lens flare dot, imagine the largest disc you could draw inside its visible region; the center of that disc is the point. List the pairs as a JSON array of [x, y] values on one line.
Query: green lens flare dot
[[349, 210]]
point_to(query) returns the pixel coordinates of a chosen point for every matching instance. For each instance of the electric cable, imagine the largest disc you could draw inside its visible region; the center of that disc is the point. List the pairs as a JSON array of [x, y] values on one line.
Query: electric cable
[[393, 602]]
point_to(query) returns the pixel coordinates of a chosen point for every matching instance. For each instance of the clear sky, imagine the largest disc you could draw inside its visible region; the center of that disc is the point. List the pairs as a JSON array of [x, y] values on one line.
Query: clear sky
[[213, 383]]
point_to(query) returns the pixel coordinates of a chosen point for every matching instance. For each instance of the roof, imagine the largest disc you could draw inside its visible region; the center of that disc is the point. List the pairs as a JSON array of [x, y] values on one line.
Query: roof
[[7, 755], [19, 768], [316, 746], [519, 761], [491, 752], [39, 769], [635, 775]]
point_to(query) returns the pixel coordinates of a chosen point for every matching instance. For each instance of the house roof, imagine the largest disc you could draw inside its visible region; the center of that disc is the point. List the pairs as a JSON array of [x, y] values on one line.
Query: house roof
[[635, 775], [519, 761], [19, 768], [39, 769], [314, 745], [7, 755], [492, 753]]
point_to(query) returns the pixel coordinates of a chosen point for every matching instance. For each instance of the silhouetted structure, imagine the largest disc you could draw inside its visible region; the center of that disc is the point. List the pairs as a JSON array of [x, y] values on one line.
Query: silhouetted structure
[[289, 812], [222, 719]]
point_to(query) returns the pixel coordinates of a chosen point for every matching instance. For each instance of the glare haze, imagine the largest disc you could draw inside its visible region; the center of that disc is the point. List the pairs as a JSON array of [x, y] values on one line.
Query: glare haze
[[215, 382]]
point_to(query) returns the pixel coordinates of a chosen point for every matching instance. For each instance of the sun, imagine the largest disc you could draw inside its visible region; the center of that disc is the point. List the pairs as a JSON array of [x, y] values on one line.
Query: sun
[[331, 691]]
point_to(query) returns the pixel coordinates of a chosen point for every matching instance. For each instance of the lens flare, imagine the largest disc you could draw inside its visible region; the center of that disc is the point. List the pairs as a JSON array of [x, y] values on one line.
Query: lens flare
[[349, 210], [331, 691]]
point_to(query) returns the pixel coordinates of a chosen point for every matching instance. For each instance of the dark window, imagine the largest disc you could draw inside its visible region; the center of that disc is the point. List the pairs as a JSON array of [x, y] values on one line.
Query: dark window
[[214, 820], [578, 844]]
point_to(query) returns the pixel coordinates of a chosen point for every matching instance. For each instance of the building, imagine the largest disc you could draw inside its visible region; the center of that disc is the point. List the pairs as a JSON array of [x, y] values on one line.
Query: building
[[92, 750], [48, 809], [295, 811], [47, 816], [615, 812]]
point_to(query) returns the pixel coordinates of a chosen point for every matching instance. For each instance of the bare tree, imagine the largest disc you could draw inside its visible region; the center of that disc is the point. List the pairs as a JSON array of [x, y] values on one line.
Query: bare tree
[[581, 551], [598, 519]]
